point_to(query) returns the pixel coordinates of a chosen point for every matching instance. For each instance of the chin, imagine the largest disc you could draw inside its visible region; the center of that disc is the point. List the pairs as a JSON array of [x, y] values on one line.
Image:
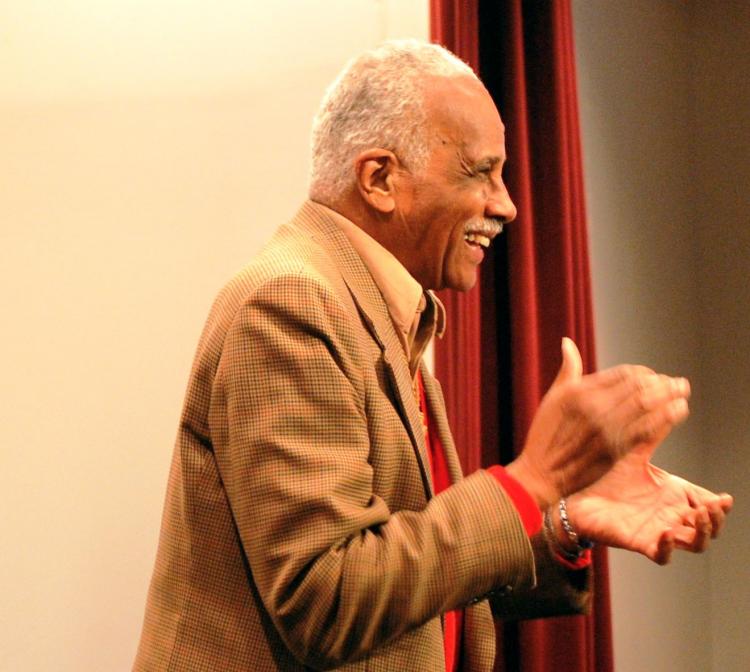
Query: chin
[[463, 283]]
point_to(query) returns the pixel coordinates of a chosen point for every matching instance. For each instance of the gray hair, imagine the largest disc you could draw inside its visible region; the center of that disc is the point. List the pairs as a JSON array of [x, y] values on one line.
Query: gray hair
[[377, 101]]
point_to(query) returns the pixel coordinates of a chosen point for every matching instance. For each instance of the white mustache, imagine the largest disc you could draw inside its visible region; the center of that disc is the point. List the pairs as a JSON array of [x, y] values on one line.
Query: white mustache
[[484, 226]]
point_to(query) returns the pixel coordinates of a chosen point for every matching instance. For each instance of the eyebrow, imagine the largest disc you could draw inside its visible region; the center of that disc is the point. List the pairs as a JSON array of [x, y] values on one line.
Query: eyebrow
[[478, 165], [488, 161]]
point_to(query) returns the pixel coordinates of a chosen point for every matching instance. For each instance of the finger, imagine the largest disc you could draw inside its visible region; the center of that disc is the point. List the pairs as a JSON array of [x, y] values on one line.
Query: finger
[[688, 538], [726, 502], [664, 548], [656, 423], [702, 529], [618, 374], [633, 397], [718, 508], [717, 517], [639, 394], [571, 368], [657, 390], [694, 535]]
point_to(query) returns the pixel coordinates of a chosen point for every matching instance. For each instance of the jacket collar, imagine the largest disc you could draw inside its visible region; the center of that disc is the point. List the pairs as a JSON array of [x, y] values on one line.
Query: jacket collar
[[320, 226]]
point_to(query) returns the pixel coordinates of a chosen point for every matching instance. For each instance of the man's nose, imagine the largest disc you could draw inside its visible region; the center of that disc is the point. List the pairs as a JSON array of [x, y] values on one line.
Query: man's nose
[[501, 206]]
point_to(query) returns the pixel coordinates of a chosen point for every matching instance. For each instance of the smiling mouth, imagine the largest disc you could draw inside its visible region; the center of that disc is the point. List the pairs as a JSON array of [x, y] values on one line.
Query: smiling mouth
[[483, 238], [477, 239]]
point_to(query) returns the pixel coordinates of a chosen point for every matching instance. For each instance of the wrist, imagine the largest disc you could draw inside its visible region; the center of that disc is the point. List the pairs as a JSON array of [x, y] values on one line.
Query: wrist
[[539, 488], [571, 531], [561, 533]]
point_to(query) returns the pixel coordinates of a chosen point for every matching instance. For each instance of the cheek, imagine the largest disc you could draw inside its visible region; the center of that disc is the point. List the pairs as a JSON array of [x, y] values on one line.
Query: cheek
[[455, 249]]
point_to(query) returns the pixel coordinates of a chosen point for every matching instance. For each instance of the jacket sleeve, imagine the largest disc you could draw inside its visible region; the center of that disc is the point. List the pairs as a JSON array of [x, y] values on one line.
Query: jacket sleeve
[[558, 591], [338, 572]]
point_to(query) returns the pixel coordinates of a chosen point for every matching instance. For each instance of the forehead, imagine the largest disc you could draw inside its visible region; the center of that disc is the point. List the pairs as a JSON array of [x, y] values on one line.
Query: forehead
[[462, 112]]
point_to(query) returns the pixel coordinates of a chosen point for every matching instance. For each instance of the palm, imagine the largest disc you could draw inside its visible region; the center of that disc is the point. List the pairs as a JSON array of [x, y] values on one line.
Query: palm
[[642, 508]]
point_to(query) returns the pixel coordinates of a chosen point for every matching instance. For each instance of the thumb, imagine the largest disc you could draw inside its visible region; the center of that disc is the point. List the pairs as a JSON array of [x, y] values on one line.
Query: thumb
[[572, 367]]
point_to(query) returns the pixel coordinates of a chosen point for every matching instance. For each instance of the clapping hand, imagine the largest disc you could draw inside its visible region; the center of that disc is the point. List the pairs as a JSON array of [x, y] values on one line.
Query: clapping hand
[[639, 507], [592, 439], [586, 424]]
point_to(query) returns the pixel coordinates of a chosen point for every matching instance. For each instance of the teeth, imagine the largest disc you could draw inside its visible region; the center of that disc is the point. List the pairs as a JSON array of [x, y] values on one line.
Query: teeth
[[477, 238]]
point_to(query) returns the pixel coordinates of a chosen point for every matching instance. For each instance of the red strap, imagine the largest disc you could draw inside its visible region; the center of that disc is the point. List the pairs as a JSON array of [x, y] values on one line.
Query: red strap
[[531, 516], [452, 620], [581, 563]]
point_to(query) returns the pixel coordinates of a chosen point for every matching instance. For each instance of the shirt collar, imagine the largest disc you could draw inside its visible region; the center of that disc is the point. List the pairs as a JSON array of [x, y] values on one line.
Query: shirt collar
[[401, 292]]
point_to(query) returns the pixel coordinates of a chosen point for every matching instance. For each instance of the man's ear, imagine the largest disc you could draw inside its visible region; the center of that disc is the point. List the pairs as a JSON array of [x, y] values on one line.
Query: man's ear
[[376, 169]]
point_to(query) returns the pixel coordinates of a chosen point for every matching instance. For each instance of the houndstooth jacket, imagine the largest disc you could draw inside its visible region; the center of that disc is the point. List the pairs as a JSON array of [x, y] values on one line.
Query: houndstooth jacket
[[300, 529]]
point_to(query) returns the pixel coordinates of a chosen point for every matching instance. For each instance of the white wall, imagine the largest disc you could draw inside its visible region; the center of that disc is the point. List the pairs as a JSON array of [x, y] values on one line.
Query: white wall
[[147, 149], [664, 97], [720, 126]]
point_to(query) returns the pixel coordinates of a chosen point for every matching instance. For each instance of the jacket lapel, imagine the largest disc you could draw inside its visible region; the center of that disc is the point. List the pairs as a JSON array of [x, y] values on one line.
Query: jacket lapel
[[371, 306]]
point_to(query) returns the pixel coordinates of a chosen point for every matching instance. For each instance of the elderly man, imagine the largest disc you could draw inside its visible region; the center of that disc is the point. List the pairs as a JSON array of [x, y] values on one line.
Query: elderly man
[[316, 515]]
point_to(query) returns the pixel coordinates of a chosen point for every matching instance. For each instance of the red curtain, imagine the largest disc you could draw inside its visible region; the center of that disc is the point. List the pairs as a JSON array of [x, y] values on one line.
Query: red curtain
[[502, 348], [458, 356]]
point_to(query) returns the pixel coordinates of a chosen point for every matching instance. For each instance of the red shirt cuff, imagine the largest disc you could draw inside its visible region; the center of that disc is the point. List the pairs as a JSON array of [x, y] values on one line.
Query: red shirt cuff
[[531, 516], [581, 563]]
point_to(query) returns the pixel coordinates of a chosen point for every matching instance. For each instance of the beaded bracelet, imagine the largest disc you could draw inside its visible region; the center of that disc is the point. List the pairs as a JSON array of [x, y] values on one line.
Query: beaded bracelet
[[582, 545]]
